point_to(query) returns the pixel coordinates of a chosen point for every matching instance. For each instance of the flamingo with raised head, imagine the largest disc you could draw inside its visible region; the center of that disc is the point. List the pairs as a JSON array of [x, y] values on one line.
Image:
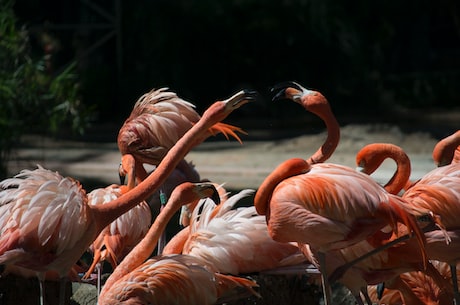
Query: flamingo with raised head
[[46, 222], [447, 150], [169, 279], [326, 206], [233, 239]]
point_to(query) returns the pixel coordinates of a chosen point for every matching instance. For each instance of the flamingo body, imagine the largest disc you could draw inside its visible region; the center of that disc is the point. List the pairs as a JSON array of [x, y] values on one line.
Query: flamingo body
[[118, 238], [334, 205], [236, 240], [46, 222], [173, 279], [33, 206]]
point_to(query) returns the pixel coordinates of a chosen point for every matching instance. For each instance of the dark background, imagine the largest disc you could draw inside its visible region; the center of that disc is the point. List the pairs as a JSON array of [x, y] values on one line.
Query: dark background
[[371, 59]]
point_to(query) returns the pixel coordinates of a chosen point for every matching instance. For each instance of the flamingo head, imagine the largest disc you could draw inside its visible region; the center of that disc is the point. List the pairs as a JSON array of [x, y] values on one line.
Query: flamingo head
[[311, 100], [127, 168], [221, 109], [191, 193], [446, 149]]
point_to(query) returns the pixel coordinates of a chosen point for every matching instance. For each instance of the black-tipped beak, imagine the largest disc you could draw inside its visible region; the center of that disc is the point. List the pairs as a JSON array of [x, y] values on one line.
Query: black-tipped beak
[[209, 190], [281, 88]]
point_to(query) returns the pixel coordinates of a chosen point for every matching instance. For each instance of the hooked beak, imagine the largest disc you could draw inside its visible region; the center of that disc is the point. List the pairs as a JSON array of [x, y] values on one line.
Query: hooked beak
[[242, 97], [208, 190], [282, 87]]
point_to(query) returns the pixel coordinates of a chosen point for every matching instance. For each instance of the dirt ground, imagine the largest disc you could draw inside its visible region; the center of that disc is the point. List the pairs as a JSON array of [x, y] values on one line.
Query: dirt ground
[[95, 163]]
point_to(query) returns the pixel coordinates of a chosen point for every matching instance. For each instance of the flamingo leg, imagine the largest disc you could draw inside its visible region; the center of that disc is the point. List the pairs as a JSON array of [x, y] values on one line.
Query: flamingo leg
[[41, 285], [453, 272], [62, 290], [162, 240], [324, 279], [99, 272]]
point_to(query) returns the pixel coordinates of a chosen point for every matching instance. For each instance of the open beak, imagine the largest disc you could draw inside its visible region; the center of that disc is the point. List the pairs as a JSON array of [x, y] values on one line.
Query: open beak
[[280, 90]]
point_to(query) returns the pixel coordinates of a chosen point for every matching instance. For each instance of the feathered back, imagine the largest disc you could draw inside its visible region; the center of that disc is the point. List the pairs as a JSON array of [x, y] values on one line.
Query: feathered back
[[158, 120], [174, 279], [235, 240], [117, 239], [44, 203]]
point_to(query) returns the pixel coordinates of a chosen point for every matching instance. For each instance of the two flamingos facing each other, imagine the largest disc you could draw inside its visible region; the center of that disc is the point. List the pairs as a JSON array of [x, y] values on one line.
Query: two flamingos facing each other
[[327, 206], [46, 222]]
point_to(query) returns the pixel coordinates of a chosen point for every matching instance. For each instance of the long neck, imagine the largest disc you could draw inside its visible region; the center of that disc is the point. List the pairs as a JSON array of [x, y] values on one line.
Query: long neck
[[402, 174], [106, 213], [376, 153], [288, 168], [447, 150], [145, 247], [332, 140]]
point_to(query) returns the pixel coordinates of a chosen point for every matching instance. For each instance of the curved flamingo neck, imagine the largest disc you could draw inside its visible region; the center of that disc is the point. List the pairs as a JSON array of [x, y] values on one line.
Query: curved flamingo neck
[[332, 140], [106, 213], [145, 247], [372, 156], [447, 150], [288, 168]]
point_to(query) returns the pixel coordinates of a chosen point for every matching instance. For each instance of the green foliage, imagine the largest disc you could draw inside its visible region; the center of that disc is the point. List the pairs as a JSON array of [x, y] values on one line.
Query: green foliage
[[32, 99]]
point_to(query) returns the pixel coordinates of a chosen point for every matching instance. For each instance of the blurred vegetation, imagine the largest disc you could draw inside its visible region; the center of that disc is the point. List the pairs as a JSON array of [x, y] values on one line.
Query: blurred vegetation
[[370, 59], [33, 100]]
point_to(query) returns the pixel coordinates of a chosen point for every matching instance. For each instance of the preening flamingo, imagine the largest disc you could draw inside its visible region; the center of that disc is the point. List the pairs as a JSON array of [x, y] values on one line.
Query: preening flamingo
[[234, 240], [447, 150], [158, 120], [176, 279], [46, 222], [326, 206], [371, 156], [118, 238]]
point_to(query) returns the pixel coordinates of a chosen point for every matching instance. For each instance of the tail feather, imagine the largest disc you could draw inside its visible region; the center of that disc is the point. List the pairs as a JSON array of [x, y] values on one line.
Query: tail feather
[[227, 130], [409, 220], [228, 285]]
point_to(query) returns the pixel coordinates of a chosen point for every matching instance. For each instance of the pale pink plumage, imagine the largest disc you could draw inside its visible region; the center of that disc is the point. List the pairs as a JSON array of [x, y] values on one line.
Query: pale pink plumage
[[118, 238], [33, 206], [168, 280], [235, 239], [45, 220]]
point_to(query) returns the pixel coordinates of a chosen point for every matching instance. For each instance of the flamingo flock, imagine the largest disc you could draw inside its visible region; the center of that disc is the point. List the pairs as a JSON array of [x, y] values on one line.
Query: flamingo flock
[[396, 243]]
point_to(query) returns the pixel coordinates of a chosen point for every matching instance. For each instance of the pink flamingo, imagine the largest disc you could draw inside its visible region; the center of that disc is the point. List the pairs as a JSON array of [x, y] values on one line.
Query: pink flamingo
[[326, 206], [371, 156], [46, 222], [447, 150], [234, 240], [176, 279], [158, 120], [118, 238]]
